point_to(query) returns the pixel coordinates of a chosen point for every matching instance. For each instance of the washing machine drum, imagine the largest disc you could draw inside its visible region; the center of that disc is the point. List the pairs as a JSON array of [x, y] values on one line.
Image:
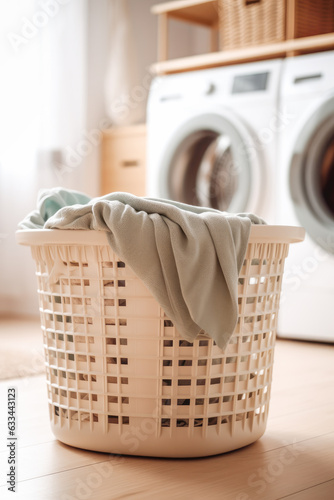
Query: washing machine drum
[[312, 176], [209, 163]]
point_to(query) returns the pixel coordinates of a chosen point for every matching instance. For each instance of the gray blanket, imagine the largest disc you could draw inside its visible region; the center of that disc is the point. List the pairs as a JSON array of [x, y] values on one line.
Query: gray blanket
[[189, 257]]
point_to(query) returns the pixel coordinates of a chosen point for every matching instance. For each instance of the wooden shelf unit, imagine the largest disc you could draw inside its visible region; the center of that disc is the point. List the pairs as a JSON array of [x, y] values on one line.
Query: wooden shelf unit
[[200, 12], [256, 53], [203, 12], [206, 13]]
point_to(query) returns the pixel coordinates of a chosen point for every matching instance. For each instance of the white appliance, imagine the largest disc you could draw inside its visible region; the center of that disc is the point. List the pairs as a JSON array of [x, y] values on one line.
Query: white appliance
[[306, 195], [212, 137]]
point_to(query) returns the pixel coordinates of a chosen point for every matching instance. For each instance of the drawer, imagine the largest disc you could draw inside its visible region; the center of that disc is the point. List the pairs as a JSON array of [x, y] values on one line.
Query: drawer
[[123, 160]]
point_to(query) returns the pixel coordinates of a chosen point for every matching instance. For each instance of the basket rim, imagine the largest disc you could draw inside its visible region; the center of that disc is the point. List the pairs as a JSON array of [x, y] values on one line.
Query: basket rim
[[37, 237]]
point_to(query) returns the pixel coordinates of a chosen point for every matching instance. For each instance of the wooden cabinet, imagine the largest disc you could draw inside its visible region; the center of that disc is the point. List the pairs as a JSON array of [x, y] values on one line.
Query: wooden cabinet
[[123, 160]]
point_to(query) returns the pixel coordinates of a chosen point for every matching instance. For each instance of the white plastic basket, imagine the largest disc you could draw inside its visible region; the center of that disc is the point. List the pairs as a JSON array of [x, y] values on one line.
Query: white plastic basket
[[120, 379]]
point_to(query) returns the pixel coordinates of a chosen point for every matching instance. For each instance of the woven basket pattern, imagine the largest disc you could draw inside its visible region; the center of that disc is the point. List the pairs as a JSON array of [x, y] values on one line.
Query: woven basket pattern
[[314, 18], [120, 378], [246, 23]]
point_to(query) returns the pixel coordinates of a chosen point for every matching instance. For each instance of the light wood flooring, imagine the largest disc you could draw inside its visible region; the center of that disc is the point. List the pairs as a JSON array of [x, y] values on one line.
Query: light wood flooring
[[294, 459]]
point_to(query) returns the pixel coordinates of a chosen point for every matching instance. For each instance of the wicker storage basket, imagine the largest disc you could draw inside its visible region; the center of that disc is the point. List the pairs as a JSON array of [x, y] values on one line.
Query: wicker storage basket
[[252, 22], [313, 18], [120, 379]]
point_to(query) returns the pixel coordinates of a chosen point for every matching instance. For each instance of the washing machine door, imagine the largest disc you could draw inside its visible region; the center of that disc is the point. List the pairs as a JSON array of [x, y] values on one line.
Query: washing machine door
[[211, 161], [312, 175]]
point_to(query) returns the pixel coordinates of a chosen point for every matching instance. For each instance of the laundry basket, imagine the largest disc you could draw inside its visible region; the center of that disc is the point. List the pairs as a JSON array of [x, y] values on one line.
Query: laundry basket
[[120, 379]]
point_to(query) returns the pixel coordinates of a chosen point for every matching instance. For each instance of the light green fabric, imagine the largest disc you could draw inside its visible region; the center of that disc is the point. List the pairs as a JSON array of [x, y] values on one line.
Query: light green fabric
[[189, 257], [48, 203]]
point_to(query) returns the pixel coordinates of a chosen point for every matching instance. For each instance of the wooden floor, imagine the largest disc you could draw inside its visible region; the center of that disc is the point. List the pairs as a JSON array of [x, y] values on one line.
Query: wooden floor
[[21, 347], [293, 460]]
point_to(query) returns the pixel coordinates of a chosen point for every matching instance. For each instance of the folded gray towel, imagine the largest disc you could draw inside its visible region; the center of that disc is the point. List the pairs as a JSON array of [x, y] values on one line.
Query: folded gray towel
[[189, 257]]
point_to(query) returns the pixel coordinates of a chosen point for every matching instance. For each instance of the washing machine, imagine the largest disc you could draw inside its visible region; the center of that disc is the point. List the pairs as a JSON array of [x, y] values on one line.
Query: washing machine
[[212, 137], [306, 195]]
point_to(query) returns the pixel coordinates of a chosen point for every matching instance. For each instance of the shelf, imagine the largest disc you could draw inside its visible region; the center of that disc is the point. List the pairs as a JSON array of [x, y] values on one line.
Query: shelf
[[249, 54], [204, 12]]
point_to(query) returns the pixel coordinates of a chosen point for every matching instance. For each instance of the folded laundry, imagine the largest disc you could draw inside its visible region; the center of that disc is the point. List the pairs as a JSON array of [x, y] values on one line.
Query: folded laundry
[[189, 257]]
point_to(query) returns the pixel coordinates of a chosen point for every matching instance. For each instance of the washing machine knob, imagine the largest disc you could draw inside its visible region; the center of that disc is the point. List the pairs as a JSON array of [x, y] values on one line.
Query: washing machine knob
[[201, 88], [209, 88]]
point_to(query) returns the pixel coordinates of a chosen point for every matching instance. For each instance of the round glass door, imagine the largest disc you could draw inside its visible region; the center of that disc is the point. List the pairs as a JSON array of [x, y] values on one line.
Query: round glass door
[[326, 176], [203, 172], [312, 181], [210, 166]]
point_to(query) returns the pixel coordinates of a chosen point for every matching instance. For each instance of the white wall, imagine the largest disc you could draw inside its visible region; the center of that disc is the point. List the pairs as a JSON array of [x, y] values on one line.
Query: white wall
[[185, 39], [17, 281]]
